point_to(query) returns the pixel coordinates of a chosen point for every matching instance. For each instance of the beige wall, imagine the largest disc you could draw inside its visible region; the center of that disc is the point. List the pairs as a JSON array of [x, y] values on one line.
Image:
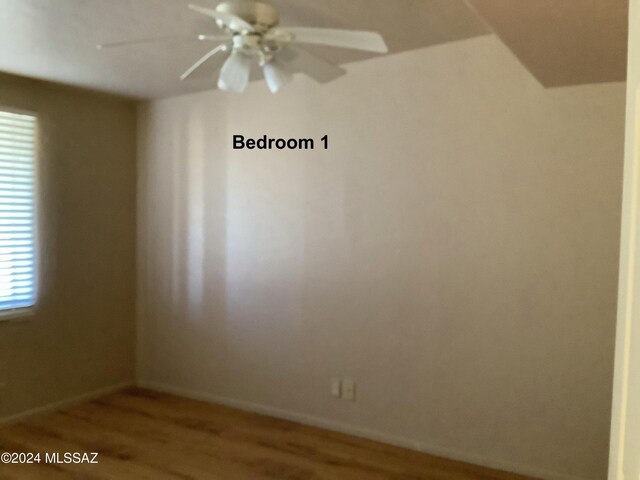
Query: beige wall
[[455, 252], [82, 336]]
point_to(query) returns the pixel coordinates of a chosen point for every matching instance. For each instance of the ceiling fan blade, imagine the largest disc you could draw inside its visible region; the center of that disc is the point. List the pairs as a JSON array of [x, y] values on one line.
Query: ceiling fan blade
[[234, 76], [214, 38], [232, 21], [140, 41], [295, 59], [357, 40], [276, 76], [197, 67]]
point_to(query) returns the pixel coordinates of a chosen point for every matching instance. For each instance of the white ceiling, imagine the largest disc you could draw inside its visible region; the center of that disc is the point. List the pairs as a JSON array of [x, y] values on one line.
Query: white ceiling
[[55, 39], [562, 42]]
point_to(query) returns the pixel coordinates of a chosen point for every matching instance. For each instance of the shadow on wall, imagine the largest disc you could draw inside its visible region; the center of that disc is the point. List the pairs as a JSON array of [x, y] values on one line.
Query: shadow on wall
[[182, 240]]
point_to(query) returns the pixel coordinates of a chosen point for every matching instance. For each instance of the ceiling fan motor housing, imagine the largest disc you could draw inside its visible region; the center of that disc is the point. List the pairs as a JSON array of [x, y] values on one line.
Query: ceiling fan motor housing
[[261, 15]]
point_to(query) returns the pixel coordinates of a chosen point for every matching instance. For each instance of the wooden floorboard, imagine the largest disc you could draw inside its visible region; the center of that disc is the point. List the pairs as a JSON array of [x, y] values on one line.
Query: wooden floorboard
[[141, 434]]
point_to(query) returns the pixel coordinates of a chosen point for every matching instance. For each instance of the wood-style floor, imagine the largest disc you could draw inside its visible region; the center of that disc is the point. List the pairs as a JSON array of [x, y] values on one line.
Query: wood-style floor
[[145, 435]]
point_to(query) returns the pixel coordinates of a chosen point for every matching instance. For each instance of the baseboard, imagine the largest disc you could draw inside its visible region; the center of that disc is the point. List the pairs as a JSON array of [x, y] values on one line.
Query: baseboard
[[360, 432], [67, 402]]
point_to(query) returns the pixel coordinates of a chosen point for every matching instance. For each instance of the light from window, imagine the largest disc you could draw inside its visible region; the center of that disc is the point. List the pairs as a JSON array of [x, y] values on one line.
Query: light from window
[[17, 211]]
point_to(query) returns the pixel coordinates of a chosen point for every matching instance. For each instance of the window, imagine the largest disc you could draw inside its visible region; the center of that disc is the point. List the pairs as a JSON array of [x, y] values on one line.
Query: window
[[17, 211]]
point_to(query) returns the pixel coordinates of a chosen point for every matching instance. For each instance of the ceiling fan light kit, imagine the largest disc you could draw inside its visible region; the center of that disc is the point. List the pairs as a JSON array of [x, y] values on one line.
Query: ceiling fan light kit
[[251, 36]]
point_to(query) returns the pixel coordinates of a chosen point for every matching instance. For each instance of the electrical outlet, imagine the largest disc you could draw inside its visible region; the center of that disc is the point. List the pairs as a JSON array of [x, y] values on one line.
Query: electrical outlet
[[336, 388], [349, 389]]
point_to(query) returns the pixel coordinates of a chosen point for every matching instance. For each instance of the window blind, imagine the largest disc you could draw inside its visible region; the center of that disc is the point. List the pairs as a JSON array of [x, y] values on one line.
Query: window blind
[[17, 210]]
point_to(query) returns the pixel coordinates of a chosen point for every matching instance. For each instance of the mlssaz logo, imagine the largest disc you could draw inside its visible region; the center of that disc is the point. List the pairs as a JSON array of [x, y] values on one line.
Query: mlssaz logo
[[72, 458]]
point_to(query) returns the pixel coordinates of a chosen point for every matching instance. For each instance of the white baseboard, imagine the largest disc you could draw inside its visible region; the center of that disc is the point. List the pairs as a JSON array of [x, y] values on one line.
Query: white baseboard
[[67, 402], [360, 432]]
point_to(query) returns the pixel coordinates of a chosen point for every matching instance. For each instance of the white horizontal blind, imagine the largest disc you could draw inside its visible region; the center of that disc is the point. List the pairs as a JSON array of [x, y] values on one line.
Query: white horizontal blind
[[17, 210]]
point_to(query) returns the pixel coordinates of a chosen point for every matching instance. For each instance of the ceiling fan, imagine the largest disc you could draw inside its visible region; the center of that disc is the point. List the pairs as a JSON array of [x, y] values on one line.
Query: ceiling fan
[[251, 34]]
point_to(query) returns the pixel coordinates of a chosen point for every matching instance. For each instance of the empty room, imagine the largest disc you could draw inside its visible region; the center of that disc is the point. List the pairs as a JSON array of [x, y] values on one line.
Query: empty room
[[320, 240]]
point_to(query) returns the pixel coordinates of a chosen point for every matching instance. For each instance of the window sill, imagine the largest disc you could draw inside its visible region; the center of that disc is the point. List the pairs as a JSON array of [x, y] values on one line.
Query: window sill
[[18, 315]]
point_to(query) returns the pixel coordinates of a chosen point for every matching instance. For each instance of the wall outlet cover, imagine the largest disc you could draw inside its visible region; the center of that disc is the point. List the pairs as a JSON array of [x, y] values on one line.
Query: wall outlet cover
[[336, 387], [348, 389]]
